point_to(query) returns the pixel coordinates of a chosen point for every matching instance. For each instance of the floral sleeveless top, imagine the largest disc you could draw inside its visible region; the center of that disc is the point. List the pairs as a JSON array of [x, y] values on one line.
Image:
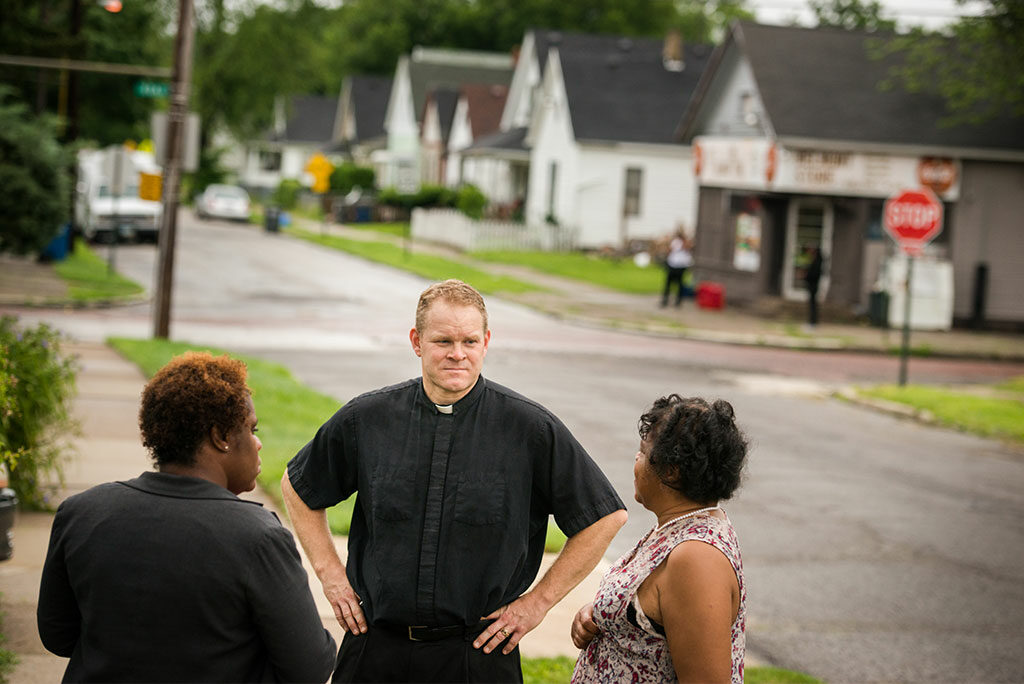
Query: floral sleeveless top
[[622, 651]]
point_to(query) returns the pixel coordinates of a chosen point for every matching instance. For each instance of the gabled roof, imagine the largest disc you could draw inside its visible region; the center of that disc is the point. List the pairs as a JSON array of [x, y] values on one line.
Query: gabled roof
[[446, 99], [620, 90], [824, 84], [430, 69], [369, 100], [310, 119], [575, 43], [485, 104]]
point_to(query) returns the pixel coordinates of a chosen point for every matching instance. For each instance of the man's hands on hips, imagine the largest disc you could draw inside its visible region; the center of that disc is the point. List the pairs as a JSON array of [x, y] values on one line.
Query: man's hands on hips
[[346, 604], [512, 623]]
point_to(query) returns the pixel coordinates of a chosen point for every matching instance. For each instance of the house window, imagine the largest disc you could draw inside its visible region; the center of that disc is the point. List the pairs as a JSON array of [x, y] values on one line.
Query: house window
[[270, 160], [552, 186], [631, 205]]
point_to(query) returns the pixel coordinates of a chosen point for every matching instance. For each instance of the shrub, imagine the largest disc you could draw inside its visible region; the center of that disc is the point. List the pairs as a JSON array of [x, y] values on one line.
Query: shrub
[[470, 201], [349, 175], [34, 200], [36, 387], [286, 195], [433, 196]]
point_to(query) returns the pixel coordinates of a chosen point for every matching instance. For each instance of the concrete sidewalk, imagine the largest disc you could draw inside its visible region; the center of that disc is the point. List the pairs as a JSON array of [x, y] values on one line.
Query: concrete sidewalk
[[109, 448]]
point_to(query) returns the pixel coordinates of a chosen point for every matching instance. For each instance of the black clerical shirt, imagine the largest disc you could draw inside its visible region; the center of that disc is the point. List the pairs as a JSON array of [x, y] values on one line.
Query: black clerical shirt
[[452, 509]]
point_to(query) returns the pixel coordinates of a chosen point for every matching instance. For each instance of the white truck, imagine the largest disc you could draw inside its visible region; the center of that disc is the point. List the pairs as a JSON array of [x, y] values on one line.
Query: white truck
[[107, 203]]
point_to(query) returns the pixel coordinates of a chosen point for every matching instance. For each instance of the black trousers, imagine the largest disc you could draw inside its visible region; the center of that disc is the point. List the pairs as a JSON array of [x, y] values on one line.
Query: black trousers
[[386, 656], [812, 305], [673, 276]]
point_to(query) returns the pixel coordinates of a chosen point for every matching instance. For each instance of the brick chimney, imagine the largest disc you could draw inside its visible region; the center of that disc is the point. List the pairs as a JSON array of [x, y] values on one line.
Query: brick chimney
[[672, 51]]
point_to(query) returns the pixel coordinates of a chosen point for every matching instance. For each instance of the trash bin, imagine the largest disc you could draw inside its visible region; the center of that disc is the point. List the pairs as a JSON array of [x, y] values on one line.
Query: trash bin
[[57, 250], [363, 214], [8, 511], [271, 217], [878, 309], [710, 295]]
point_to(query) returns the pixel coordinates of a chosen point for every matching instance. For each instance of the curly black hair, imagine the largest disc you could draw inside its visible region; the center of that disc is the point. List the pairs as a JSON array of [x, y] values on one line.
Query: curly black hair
[[695, 447], [185, 399]]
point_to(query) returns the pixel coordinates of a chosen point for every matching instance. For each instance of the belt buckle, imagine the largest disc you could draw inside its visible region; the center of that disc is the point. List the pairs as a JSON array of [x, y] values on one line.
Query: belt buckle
[[412, 627]]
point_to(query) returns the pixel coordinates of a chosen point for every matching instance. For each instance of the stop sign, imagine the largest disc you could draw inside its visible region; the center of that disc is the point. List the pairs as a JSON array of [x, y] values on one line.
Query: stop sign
[[913, 218]]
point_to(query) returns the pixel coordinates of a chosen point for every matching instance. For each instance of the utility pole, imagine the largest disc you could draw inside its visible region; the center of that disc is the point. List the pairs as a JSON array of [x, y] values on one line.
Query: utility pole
[[172, 168]]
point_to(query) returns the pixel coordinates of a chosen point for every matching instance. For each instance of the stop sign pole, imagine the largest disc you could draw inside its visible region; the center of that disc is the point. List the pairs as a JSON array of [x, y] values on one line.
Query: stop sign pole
[[912, 218]]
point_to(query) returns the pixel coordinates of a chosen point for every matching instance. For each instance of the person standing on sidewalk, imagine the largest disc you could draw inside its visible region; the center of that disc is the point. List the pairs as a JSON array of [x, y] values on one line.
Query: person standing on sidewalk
[[170, 576], [456, 477], [812, 277], [679, 259]]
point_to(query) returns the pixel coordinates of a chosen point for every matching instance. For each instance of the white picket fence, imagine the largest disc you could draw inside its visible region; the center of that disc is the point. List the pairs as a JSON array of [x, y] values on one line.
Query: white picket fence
[[455, 229]]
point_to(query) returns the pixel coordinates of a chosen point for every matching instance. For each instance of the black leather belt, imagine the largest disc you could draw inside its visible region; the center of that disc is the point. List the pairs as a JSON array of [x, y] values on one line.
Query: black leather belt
[[424, 633]]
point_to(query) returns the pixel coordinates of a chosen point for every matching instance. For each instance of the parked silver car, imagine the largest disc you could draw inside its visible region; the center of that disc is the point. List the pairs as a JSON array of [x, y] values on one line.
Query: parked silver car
[[223, 202]]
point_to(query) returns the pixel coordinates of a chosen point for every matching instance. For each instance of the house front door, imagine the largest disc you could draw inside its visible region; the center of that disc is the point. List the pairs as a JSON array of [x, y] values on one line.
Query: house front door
[[808, 224]]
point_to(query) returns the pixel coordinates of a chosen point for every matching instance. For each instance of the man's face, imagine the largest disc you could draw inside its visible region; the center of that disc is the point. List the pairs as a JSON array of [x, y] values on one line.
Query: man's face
[[451, 347]]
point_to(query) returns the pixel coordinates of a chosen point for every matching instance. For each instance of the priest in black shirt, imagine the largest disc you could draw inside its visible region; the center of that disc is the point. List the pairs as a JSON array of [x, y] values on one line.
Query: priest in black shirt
[[456, 477]]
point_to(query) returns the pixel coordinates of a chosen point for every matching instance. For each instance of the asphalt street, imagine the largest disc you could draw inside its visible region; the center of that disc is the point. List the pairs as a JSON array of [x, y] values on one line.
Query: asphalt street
[[876, 549]]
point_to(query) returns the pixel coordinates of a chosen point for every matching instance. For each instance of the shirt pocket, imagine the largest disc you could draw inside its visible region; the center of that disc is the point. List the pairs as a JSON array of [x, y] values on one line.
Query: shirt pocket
[[480, 499], [393, 493]]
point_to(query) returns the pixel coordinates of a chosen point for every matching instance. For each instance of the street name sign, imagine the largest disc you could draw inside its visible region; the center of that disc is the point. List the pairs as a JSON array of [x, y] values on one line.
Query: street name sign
[[151, 89], [912, 218]]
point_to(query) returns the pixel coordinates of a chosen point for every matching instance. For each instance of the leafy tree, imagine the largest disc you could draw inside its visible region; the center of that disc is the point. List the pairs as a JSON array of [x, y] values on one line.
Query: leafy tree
[[33, 176], [860, 15], [976, 65], [243, 62], [106, 106]]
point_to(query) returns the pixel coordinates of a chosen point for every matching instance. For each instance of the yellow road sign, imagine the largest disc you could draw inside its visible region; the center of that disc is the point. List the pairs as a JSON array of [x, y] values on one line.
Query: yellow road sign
[[150, 186], [321, 170]]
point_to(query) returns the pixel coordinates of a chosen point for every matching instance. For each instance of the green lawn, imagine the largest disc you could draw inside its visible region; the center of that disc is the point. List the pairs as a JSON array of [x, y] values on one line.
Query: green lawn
[[615, 274], [1013, 385], [398, 228], [289, 412], [982, 415], [426, 265], [89, 278]]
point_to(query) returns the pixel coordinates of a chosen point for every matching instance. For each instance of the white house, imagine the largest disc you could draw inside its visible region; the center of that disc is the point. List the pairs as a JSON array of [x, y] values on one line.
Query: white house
[[477, 115], [359, 123], [422, 72], [303, 126], [603, 156]]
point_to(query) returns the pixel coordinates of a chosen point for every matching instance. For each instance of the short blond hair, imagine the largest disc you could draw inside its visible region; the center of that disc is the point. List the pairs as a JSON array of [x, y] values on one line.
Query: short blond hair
[[452, 291]]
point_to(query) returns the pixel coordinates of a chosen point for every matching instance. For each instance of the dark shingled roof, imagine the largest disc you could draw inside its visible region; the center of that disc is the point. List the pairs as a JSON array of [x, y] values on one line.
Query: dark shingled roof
[[620, 91], [310, 118], [370, 101], [511, 140], [428, 75], [446, 100], [823, 83], [545, 39]]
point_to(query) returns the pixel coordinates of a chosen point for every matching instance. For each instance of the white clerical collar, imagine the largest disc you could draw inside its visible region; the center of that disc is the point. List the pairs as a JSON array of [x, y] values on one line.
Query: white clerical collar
[[444, 409]]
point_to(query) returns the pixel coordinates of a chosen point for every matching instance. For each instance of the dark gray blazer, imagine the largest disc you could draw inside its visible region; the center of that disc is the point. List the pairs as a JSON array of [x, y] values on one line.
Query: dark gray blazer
[[172, 578]]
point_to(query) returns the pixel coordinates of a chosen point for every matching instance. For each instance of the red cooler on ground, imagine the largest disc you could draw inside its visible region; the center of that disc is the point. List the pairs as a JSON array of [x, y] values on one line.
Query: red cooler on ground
[[710, 295]]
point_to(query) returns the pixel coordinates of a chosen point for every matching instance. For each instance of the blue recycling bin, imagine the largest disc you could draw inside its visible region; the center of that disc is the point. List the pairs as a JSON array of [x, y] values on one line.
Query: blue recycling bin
[[57, 250]]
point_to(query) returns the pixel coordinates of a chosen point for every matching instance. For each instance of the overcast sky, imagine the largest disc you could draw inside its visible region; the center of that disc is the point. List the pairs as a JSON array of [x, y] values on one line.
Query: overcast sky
[[929, 13]]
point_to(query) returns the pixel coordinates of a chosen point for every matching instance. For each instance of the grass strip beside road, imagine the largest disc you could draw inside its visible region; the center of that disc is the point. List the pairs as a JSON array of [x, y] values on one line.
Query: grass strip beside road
[[426, 265], [290, 413], [397, 229], [615, 274], [991, 415], [89, 278]]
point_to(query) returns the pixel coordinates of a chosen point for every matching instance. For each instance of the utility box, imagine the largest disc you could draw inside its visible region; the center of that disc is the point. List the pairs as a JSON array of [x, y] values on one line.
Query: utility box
[[931, 292]]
